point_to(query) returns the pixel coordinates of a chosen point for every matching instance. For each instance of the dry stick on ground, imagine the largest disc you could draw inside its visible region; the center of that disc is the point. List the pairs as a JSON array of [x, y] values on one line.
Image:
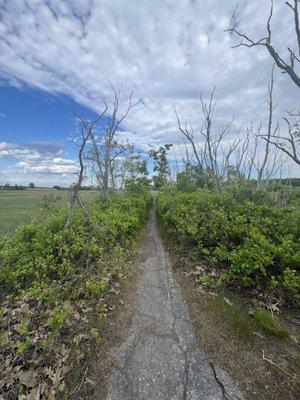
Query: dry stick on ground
[[86, 130], [81, 382], [276, 365], [266, 41]]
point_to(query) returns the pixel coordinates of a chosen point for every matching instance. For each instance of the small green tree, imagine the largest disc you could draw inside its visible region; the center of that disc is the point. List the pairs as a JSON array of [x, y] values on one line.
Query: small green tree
[[191, 178], [31, 185], [160, 165], [135, 173]]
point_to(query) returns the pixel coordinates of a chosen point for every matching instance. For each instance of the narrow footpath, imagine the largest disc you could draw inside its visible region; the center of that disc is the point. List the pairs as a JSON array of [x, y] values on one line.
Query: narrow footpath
[[160, 359]]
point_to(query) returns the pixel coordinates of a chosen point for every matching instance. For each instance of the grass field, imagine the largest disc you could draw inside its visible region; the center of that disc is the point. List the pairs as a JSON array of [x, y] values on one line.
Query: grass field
[[17, 206]]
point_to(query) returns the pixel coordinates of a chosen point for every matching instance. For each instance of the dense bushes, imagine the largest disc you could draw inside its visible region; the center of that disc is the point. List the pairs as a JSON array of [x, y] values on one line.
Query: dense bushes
[[252, 244], [43, 251], [56, 286]]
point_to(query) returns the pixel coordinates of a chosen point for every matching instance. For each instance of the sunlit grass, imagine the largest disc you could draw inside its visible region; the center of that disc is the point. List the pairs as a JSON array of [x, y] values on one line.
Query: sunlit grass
[[235, 319], [18, 206], [239, 322], [270, 324]]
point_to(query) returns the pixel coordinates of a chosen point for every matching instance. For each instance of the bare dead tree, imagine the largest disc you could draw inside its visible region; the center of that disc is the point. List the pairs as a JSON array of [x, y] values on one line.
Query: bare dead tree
[[275, 165], [241, 154], [106, 149], [250, 160], [86, 131], [213, 141], [208, 155], [188, 133], [289, 144], [266, 41], [227, 166], [270, 131], [210, 146]]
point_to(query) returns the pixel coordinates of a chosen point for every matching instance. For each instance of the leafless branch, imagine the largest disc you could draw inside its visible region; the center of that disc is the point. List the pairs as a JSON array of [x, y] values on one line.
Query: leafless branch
[[106, 149], [86, 131], [286, 67], [288, 143]]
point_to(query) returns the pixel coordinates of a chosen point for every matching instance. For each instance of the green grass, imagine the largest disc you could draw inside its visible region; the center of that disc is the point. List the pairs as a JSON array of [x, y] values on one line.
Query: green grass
[[235, 319], [270, 324], [18, 206], [238, 321]]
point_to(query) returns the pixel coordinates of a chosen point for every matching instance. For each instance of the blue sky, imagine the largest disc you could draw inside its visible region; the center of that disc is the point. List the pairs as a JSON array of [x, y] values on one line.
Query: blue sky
[[40, 122], [28, 114], [62, 56]]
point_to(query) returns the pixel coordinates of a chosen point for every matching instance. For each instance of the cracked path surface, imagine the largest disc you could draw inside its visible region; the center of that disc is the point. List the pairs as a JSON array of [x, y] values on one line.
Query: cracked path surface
[[160, 359]]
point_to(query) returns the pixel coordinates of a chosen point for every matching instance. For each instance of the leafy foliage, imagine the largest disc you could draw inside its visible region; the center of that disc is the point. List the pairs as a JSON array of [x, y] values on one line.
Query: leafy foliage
[[44, 252], [54, 282], [251, 244], [160, 165]]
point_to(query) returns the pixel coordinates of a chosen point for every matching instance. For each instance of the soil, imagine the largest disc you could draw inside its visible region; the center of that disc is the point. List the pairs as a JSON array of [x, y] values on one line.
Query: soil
[[265, 367]]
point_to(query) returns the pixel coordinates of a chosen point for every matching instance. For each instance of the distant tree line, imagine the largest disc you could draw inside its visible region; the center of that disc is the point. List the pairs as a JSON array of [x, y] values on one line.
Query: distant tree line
[[58, 187], [8, 186]]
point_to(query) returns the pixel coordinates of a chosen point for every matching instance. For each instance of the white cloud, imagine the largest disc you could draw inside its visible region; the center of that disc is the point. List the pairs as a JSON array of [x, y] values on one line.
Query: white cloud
[[39, 161], [168, 52]]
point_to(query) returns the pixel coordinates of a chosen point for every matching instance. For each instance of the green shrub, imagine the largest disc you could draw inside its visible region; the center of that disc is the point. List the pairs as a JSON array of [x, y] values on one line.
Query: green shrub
[[206, 280], [24, 326], [57, 319], [96, 288], [249, 261], [24, 346], [4, 338], [291, 285], [253, 243], [44, 251], [49, 275]]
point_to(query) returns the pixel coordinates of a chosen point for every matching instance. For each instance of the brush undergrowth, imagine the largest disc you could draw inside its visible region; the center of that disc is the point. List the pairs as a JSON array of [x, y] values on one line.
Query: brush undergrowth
[[54, 283], [247, 244]]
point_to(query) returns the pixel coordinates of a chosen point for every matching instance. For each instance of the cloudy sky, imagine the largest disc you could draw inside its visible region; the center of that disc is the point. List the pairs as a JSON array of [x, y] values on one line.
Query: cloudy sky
[[60, 57]]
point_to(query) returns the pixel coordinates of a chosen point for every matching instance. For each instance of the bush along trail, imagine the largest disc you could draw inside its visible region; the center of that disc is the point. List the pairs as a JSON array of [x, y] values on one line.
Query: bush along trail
[[238, 242], [55, 286], [237, 258]]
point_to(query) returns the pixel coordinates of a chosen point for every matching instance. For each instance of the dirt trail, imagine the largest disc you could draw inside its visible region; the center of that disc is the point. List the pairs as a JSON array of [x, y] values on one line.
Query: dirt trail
[[160, 359]]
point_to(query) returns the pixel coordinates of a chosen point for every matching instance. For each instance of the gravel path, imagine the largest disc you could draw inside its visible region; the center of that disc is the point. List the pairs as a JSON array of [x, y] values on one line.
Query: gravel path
[[160, 359]]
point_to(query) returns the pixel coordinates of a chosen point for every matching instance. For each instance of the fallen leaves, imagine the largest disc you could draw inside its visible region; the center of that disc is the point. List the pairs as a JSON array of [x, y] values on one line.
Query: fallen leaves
[[41, 370], [28, 378], [56, 377]]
